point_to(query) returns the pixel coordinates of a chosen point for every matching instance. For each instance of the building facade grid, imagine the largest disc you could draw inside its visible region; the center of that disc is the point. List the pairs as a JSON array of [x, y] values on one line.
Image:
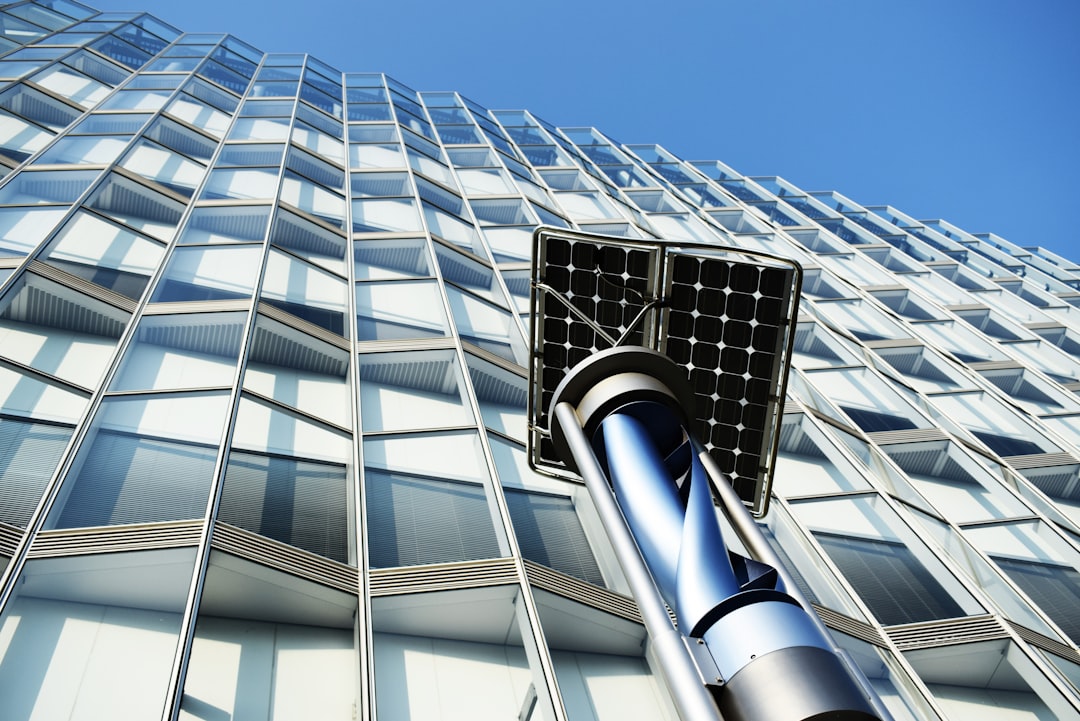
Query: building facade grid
[[263, 377]]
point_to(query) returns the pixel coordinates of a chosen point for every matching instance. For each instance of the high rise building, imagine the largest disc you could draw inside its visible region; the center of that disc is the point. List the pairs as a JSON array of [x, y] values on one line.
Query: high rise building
[[263, 377]]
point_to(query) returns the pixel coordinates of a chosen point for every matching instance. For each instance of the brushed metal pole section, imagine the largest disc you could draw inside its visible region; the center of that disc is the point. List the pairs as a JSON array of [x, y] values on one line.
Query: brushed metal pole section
[[691, 697], [758, 546]]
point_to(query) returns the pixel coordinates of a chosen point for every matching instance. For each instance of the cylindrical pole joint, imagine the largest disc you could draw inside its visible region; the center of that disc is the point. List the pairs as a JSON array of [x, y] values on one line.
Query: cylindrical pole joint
[[773, 660]]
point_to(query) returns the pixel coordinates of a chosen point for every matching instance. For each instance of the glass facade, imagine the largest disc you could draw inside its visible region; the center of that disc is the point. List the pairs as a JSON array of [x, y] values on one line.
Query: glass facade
[[263, 380]]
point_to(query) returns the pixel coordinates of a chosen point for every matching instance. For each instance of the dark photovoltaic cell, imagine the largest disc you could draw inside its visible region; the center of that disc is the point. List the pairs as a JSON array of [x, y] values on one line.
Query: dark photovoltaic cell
[[721, 313]]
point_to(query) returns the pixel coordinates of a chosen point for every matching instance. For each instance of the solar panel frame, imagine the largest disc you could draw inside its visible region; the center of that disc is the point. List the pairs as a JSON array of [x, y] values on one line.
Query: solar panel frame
[[725, 314]]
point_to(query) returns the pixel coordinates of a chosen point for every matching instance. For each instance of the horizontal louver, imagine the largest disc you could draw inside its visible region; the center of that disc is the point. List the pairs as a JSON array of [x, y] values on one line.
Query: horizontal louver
[[135, 479], [301, 503], [414, 521], [29, 453]]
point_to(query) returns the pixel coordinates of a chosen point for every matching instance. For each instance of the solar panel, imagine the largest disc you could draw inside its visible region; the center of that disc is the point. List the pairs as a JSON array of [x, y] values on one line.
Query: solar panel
[[723, 314]]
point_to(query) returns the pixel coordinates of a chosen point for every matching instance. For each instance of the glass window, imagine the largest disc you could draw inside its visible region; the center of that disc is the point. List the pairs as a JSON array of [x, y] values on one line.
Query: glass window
[[992, 679], [888, 566], [250, 154], [868, 401], [861, 319], [313, 198], [265, 129], [172, 170], [20, 139], [379, 185], [199, 115], [74, 86], [318, 142], [84, 149], [482, 181], [146, 459], [510, 244], [117, 634], [305, 291], [470, 650], [400, 309], [298, 660], [22, 229], [243, 184], [37, 107], [502, 396], [25, 395], [409, 390], [136, 100], [469, 274], [486, 325], [106, 254], [316, 169], [29, 453], [136, 205], [807, 463], [296, 501], [391, 259], [420, 509], [268, 428], [182, 139], [375, 156], [922, 368], [229, 224], [453, 229], [312, 242], [953, 482], [214, 273], [385, 215], [48, 186], [998, 426], [299, 371], [287, 479], [58, 331], [1040, 563], [182, 351]]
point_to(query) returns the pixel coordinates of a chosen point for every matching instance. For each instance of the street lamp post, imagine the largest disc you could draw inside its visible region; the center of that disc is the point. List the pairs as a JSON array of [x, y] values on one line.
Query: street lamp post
[[658, 377], [759, 654]]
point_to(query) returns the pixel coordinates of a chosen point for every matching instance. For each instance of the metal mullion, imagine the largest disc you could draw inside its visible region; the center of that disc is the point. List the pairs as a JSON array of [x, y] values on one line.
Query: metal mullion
[[182, 658], [82, 425], [363, 631], [532, 613]]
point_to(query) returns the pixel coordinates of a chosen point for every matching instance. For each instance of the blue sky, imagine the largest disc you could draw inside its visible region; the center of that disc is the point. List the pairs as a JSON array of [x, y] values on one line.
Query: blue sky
[[965, 110]]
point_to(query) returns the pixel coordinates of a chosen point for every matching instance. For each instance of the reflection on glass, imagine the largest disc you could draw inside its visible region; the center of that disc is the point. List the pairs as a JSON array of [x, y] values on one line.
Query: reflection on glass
[[305, 291], [74, 343], [295, 659], [214, 273], [420, 509], [146, 459], [967, 679], [468, 650], [287, 479], [418, 389], [182, 351], [399, 309], [110, 620], [106, 254], [299, 371]]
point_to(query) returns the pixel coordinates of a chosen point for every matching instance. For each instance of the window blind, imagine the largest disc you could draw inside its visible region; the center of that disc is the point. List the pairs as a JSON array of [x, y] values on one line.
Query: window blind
[[888, 577], [298, 502], [29, 453], [137, 479], [549, 532], [1053, 587], [414, 520]]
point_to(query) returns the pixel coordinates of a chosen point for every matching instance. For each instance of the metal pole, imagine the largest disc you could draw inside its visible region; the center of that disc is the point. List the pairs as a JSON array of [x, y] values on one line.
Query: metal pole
[[691, 697], [758, 545]]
